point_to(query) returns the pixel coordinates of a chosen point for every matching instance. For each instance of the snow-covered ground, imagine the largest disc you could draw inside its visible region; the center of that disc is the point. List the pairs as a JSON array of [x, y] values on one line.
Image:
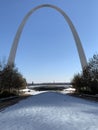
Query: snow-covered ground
[[50, 111]]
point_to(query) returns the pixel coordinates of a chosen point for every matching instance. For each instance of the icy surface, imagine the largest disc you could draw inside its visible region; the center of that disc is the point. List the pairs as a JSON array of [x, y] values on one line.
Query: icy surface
[[50, 111]]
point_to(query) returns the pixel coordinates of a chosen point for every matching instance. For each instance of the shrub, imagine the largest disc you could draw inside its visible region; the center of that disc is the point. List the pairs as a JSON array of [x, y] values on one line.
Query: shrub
[[10, 79], [7, 94], [87, 81]]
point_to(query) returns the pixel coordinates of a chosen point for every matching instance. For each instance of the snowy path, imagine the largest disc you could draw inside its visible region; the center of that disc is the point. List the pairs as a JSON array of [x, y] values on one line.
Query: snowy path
[[50, 111]]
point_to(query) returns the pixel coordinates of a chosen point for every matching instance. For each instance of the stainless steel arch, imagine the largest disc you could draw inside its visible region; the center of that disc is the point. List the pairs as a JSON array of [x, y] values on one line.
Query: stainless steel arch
[[12, 54]]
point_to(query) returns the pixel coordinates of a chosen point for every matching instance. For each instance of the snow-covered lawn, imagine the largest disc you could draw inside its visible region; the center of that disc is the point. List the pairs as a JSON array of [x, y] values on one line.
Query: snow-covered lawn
[[50, 111]]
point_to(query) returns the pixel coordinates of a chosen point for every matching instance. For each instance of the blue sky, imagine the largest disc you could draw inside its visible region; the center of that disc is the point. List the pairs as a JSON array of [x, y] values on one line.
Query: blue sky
[[47, 51]]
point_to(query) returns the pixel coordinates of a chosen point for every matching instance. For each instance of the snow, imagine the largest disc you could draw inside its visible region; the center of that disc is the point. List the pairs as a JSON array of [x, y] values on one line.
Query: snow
[[50, 111], [31, 92], [68, 90]]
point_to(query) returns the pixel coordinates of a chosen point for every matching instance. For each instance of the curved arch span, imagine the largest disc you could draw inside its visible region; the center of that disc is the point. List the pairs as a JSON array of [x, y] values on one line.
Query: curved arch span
[[12, 54]]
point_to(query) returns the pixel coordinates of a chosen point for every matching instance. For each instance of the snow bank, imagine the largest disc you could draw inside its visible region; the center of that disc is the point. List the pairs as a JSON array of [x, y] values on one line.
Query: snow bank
[[31, 92], [50, 111]]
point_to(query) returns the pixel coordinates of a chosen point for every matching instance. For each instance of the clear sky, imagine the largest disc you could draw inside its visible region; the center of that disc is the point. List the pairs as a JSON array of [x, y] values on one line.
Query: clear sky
[[47, 51]]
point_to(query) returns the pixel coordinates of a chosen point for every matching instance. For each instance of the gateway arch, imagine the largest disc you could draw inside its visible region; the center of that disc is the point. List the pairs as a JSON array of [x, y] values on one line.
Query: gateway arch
[[13, 50]]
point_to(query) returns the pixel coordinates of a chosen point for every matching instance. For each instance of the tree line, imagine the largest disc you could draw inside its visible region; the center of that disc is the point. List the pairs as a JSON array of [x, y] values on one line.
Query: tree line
[[11, 80], [87, 81]]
